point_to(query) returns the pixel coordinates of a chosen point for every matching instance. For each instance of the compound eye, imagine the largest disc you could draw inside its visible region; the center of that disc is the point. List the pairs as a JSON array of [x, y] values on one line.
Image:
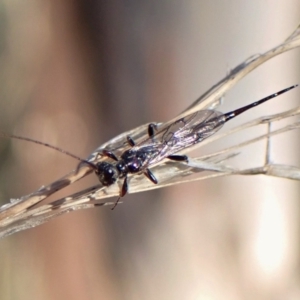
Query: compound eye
[[107, 173]]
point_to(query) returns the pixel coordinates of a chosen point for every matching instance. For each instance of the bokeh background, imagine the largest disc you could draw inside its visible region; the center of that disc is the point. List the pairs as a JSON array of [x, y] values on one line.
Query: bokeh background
[[77, 73]]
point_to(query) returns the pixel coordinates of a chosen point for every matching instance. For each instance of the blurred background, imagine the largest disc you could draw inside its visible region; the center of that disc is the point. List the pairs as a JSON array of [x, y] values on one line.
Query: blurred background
[[77, 73]]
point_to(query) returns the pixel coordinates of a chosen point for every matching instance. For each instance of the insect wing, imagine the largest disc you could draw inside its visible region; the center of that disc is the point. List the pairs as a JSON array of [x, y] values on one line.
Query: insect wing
[[183, 133]]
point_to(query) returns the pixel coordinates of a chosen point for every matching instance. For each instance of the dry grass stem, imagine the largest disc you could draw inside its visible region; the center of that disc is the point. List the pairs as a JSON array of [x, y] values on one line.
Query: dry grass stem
[[29, 211]]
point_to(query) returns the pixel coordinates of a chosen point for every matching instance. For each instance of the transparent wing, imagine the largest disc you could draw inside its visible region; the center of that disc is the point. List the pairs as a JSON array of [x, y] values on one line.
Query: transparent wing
[[184, 132]]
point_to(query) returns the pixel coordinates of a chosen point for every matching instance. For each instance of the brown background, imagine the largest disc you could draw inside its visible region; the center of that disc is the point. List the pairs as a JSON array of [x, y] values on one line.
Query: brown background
[[76, 73]]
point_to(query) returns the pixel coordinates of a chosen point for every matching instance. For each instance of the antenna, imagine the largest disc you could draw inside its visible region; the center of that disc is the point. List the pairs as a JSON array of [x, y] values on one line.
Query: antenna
[[22, 138]]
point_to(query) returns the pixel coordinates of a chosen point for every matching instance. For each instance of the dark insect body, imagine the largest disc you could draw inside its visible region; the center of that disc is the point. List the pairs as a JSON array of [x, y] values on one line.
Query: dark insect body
[[163, 142], [166, 141]]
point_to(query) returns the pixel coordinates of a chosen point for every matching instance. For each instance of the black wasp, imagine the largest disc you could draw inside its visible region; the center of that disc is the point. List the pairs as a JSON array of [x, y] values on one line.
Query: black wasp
[[163, 142]]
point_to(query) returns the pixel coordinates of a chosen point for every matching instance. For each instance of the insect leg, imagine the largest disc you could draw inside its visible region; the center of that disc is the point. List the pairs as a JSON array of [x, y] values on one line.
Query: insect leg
[[151, 128], [150, 176], [109, 154], [123, 192], [178, 158], [124, 189], [130, 141]]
